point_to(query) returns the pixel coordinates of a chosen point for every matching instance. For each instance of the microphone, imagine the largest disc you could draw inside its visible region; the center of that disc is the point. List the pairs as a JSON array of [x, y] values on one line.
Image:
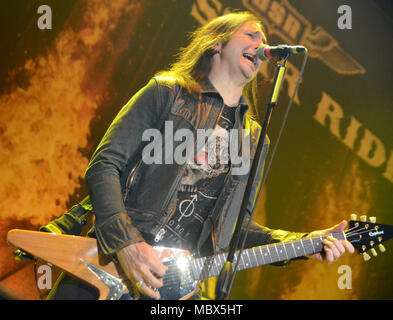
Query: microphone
[[265, 52]]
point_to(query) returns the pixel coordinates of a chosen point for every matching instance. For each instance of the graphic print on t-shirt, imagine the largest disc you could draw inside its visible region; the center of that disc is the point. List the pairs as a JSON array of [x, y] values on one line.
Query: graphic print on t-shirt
[[201, 184]]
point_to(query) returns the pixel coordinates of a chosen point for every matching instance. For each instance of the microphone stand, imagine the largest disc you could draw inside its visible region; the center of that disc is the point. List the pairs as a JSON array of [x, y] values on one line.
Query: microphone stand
[[226, 276]]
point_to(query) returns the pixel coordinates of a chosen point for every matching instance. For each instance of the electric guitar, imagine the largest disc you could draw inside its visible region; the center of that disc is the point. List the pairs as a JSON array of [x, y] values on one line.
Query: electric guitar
[[81, 257]]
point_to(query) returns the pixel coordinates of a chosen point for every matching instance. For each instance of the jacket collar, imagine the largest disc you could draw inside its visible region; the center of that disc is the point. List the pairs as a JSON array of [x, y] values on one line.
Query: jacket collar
[[207, 87]]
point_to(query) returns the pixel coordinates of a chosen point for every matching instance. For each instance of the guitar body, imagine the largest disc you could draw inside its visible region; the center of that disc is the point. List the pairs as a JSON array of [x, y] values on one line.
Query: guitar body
[[178, 282], [79, 255]]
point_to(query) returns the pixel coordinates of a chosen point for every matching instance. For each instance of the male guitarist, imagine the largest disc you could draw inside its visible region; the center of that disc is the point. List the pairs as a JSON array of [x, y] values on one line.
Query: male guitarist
[[193, 204]]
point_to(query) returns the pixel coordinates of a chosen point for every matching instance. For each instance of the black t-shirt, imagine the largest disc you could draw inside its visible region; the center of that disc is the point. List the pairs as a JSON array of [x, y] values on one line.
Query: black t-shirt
[[200, 186]]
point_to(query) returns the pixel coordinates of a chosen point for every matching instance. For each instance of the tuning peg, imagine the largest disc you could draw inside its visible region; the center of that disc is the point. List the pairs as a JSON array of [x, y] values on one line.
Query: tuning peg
[[381, 248], [363, 218], [373, 252], [366, 256], [354, 216], [373, 219]]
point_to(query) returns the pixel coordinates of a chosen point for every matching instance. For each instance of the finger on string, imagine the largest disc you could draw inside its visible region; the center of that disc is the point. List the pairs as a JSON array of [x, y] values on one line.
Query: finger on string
[[329, 258], [339, 246], [149, 291], [348, 246], [331, 243], [143, 286], [157, 266], [151, 280]]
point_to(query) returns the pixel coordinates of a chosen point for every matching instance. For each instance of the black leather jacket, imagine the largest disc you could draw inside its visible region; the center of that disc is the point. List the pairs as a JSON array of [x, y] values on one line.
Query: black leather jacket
[[131, 198]]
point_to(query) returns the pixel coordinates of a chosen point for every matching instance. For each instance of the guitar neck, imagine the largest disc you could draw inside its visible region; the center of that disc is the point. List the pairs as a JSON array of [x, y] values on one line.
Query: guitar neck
[[207, 267]]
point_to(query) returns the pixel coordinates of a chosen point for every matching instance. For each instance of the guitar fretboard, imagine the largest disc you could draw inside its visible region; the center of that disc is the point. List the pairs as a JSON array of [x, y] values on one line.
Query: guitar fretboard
[[207, 267]]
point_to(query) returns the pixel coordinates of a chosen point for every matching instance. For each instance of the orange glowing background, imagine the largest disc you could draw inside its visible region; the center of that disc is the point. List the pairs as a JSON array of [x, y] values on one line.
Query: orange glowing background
[[61, 88]]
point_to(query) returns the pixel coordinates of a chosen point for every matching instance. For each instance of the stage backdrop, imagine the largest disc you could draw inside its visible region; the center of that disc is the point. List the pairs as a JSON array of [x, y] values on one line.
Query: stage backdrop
[[67, 67]]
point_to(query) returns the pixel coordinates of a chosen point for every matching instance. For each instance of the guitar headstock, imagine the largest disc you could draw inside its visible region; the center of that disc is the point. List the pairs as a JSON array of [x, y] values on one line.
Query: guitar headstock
[[368, 235]]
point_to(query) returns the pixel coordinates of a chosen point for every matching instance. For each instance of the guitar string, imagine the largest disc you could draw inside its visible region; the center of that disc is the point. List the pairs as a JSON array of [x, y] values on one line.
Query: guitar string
[[362, 239], [172, 277], [357, 230], [350, 229], [217, 263], [363, 231], [264, 247], [172, 274]]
